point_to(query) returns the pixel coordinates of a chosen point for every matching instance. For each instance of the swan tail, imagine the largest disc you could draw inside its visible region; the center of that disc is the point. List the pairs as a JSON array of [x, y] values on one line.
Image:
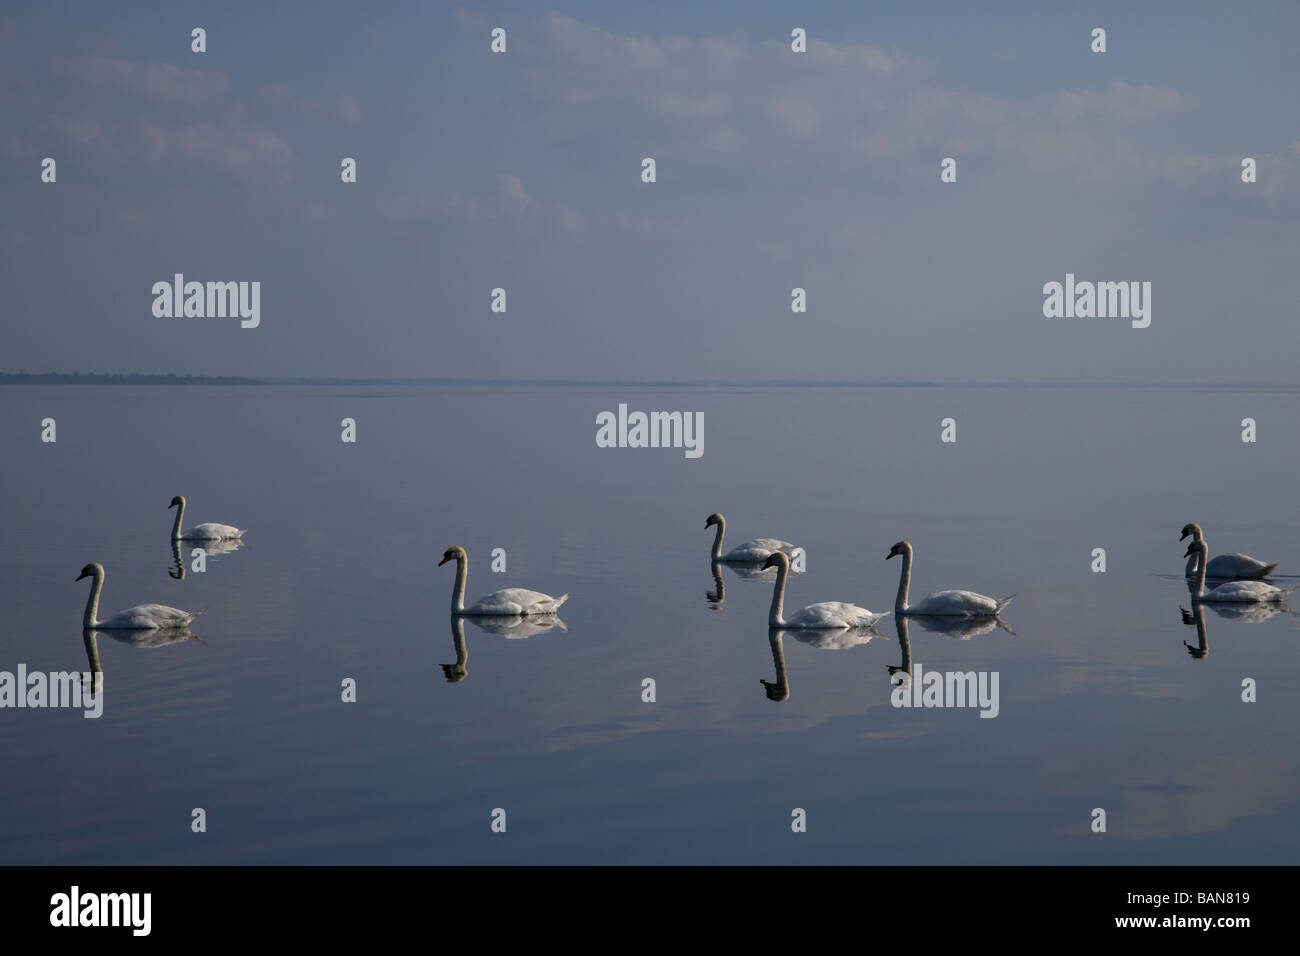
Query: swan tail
[[1001, 605], [1004, 625], [1266, 570], [558, 601]]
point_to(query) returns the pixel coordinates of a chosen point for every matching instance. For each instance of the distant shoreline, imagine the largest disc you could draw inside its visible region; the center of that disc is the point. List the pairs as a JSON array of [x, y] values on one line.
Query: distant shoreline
[[101, 378]]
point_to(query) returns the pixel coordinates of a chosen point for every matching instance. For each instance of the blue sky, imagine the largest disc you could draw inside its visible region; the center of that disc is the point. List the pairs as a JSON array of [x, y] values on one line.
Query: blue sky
[[776, 170]]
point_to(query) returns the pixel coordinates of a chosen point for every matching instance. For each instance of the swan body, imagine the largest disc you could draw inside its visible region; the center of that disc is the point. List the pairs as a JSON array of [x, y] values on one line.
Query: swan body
[[827, 614], [142, 617], [508, 602], [209, 531], [1232, 592], [1234, 565], [754, 551], [954, 603]]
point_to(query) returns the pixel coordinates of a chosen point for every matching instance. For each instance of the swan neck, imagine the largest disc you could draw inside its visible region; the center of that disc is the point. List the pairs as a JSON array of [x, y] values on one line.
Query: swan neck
[[904, 583], [1193, 560], [717, 538], [458, 590], [774, 618], [180, 515], [90, 618]]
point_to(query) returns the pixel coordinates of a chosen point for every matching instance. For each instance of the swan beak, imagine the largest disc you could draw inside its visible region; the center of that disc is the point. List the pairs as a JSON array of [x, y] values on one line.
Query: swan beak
[[443, 561], [79, 577], [1183, 535]]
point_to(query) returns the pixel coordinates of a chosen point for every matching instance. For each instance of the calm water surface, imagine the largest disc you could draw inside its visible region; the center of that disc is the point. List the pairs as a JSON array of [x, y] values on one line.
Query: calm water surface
[[1101, 702]]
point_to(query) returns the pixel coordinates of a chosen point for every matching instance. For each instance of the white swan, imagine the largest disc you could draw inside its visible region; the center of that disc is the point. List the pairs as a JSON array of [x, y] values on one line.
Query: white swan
[[828, 614], [143, 617], [211, 531], [1233, 592], [1235, 565], [941, 603], [754, 551], [508, 602]]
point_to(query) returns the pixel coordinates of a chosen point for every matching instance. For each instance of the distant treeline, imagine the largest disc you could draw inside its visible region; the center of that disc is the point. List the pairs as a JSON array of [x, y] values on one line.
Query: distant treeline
[[97, 378]]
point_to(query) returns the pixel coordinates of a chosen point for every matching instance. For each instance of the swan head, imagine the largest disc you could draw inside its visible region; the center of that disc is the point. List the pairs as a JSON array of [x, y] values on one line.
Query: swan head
[[1191, 528], [778, 559], [1196, 544], [177, 501], [94, 569], [455, 553], [712, 519], [901, 548]]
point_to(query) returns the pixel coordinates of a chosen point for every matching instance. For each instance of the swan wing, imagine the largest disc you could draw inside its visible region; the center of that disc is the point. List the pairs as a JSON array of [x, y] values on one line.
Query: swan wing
[[513, 601], [212, 531], [147, 616], [758, 550], [833, 614], [1236, 565], [957, 603]]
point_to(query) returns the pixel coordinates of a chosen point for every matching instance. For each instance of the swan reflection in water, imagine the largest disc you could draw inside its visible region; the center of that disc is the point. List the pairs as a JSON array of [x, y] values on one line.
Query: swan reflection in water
[[210, 548], [1241, 613], [157, 637], [513, 628], [961, 628], [753, 573], [825, 640], [955, 628]]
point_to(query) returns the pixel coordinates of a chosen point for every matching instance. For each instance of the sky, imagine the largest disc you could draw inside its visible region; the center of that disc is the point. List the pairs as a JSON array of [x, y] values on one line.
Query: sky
[[775, 170]]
